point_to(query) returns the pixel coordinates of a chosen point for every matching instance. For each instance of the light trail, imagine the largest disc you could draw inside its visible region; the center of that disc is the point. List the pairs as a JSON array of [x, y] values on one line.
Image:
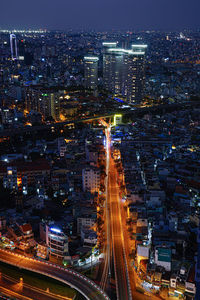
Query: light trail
[[114, 227], [107, 247], [70, 277]]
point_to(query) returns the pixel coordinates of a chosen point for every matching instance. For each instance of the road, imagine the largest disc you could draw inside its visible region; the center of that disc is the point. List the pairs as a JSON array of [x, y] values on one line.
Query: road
[[77, 281], [9, 293], [120, 265], [12, 287], [107, 246], [125, 277], [117, 239]]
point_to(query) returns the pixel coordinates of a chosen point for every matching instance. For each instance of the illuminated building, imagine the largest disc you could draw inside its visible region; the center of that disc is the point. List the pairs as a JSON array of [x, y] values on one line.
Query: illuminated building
[[26, 231], [91, 179], [42, 250], [51, 105], [5, 115], [33, 99], [91, 72], [117, 120], [27, 171], [62, 148], [13, 46], [57, 242], [10, 180], [45, 102], [112, 67], [85, 222], [134, 76], [123, 71]]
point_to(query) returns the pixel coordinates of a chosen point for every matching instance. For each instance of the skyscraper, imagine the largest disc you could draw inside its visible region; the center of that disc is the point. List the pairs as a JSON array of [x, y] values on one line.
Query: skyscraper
[[91, 72], [134, 74], [123, 71], [21, 48], [13, 46], [112, 63]]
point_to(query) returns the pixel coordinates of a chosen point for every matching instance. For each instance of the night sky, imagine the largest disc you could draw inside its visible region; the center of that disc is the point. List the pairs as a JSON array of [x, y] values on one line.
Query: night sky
[[100, 15]]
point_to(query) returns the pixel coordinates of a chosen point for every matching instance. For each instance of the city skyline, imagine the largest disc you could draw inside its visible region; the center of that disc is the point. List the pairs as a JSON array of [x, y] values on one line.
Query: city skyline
[[100, 150]]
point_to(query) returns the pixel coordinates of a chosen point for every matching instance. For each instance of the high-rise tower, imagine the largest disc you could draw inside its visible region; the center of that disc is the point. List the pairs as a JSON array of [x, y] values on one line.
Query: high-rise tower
[[134, 73], [13, 46], [91, 72], [123, 71], [112, 67]]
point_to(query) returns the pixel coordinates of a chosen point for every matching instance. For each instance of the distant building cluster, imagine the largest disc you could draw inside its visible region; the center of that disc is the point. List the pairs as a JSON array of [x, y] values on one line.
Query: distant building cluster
[[123, 71]]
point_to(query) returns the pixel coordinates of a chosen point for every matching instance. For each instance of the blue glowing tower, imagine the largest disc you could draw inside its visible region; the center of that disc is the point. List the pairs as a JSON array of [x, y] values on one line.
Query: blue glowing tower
[[13, 46]]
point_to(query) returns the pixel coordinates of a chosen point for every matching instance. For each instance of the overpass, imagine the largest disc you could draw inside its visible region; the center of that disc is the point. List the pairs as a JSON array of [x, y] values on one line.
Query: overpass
[[128, 111], [75, 280], [43, 127]]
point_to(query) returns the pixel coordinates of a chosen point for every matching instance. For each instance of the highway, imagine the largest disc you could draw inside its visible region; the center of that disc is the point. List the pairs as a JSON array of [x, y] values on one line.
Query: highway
[[114, 219], [77, 281]]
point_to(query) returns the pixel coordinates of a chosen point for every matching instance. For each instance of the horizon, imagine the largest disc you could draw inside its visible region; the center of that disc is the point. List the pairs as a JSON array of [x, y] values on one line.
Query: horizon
[[128, 30], [104, 15]]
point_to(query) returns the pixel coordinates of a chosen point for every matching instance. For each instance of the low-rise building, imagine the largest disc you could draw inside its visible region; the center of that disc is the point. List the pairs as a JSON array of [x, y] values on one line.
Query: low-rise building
[[87, 221], [88, 237], [57, 242], [91, 179], [163, 257], [42, 250], [26, 230]]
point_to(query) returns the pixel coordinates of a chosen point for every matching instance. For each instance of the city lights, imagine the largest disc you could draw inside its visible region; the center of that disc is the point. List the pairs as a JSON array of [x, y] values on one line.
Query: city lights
[[99, 156]]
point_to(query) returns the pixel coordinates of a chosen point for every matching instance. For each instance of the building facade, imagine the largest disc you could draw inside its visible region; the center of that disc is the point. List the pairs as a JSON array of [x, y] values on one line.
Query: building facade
[[10, 179], [43, 101], [57, 242], [91, 179], [85, 222], [134, 74], [13, 46], [51, 105], [124, 71], [91, 72], [112, 67]]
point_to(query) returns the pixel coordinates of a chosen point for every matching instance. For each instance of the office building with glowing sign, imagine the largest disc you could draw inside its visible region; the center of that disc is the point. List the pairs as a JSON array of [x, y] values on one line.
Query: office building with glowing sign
[[57, 242]]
